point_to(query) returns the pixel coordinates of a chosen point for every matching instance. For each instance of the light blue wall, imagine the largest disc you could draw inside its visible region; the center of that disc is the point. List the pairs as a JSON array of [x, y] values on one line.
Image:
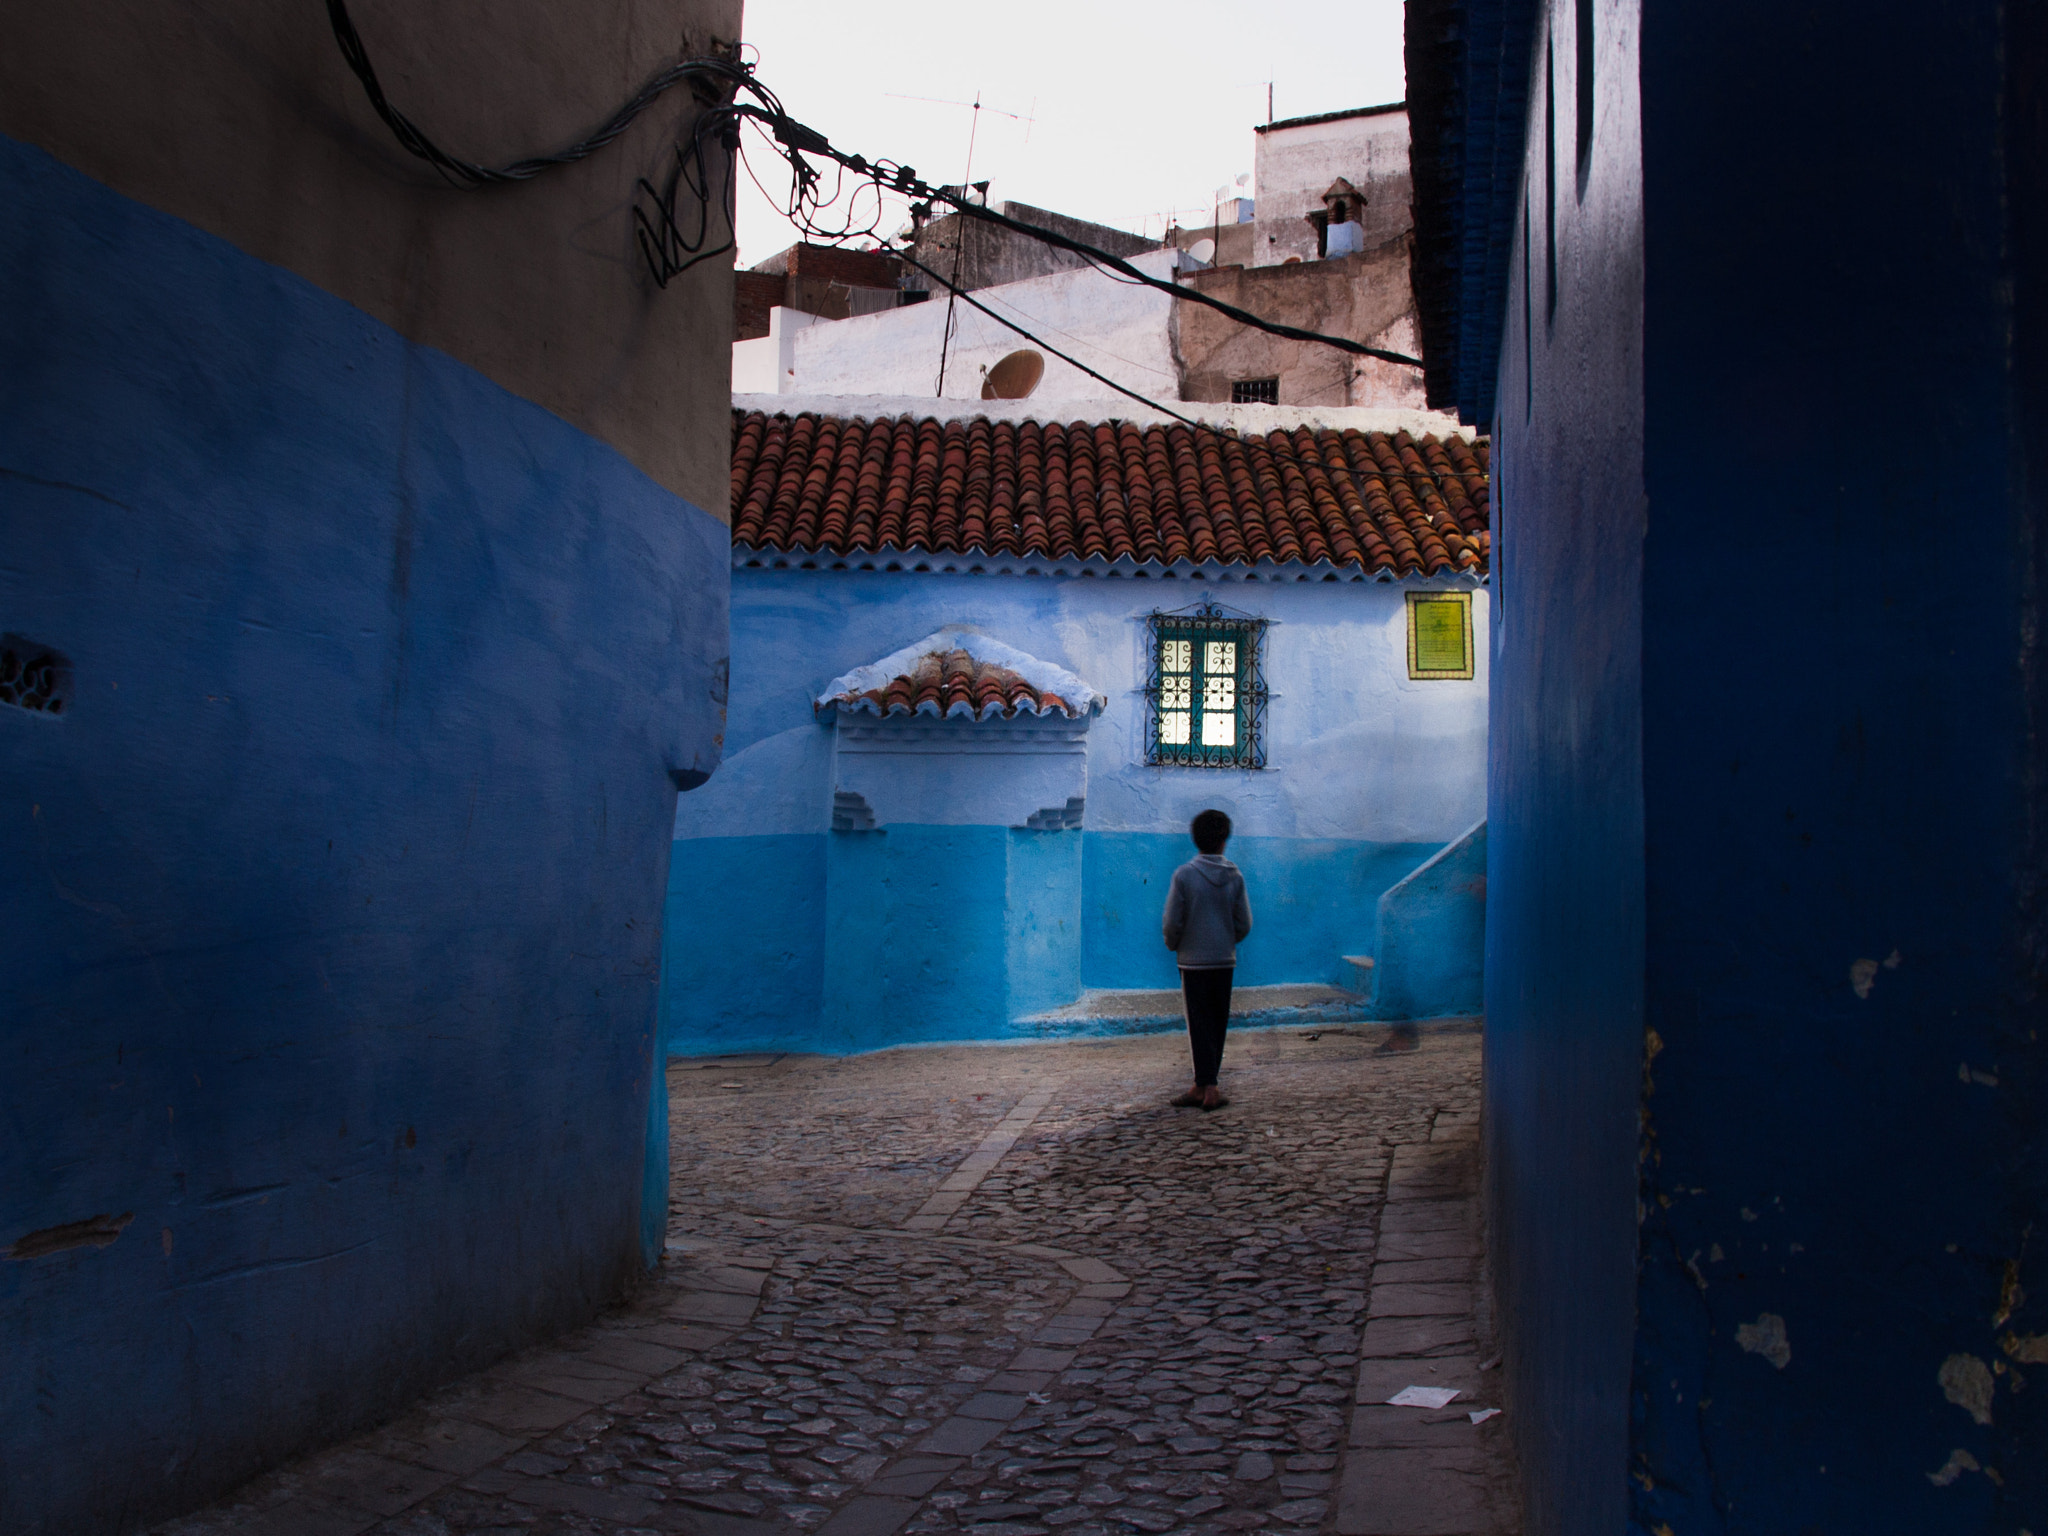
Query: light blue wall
[[1431, 960], [1359, 751], [1314, 900], [916, 948], [750, 970], [941, 927], [1045, 880], [332, 907]]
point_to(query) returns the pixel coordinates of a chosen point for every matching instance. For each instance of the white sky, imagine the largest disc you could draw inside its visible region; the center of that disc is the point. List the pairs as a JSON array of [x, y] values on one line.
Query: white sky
[[1139, 108]]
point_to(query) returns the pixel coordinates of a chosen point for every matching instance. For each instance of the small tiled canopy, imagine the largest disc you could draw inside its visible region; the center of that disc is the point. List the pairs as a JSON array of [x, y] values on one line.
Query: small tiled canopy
[[943, 676], [1382, 502], [954, 683]]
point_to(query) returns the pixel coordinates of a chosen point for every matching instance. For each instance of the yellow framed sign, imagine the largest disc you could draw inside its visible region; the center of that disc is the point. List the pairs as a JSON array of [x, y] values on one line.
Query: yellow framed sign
[[1440, 634]]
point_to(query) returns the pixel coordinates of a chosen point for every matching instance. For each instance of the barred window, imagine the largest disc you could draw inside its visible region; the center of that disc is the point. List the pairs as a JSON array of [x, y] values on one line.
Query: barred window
[[1255, 392], [1208, 692]]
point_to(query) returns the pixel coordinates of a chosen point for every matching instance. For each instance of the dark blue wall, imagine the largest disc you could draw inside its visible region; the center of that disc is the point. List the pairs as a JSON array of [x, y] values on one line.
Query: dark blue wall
[[330, 945], [1765, 1078], [746, 966], [1836, 627], [1564, 923]]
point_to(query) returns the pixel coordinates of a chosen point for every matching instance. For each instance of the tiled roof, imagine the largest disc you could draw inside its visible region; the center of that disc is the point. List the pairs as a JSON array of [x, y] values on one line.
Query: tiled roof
[[953, 683], [1385, 503]]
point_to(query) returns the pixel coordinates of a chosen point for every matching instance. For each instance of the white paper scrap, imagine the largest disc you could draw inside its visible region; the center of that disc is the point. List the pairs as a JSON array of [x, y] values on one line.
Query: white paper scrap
[[1481, 1415], [1422, 1397]]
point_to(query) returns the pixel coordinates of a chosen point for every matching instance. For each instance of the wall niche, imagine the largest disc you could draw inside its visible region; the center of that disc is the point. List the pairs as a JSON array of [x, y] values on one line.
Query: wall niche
[[34, 677]]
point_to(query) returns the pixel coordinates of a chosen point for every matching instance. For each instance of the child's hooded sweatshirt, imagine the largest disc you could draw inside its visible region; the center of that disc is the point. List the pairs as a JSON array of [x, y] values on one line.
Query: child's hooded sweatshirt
[[1207, 913]]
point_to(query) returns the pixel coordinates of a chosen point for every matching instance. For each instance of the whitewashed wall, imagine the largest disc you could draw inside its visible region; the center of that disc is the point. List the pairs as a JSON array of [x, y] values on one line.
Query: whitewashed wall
[[766, 365], [1117, 328], [1295, 166]]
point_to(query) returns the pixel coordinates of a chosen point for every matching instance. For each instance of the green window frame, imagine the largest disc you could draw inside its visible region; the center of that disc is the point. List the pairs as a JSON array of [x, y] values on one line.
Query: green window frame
[[1207, 690]]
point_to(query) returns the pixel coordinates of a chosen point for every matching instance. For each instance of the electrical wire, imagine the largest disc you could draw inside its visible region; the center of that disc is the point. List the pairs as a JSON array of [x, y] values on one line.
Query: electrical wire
[[717, 81], [1073, 362], [669, 250], [467, 173], [1258, 443], [801, 139], [793, 140]]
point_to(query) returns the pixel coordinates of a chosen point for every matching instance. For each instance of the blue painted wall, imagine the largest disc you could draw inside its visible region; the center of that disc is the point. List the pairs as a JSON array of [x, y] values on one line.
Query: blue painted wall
[[1765, 1081], [943, 933], [1359, 750], [1314, 901], [330, 946], [1042, 913], [745, 941], [1432, 936], [1371, 772]]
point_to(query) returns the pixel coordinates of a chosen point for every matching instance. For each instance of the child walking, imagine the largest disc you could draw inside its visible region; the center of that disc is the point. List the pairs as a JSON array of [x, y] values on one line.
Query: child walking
[[1207, 915]]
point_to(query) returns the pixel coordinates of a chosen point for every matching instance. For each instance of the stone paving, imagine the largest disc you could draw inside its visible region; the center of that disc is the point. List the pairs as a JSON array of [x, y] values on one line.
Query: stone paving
[[1005, 1291]]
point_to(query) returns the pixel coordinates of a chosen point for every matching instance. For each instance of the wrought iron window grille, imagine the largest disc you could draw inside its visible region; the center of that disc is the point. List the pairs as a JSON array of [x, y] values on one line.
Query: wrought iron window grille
[[1207, 689]]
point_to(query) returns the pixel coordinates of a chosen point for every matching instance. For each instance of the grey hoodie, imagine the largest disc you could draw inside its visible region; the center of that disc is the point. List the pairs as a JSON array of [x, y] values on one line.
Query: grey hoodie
[[1207, 913]]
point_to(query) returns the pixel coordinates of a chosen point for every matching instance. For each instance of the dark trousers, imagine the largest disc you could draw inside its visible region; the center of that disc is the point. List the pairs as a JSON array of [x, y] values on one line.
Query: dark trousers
[[1206, 996]]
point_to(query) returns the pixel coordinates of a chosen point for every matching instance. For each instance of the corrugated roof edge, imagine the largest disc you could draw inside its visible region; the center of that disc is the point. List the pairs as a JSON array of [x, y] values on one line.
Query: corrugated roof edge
[[953, 562], [1241, 418], [1332, 117]]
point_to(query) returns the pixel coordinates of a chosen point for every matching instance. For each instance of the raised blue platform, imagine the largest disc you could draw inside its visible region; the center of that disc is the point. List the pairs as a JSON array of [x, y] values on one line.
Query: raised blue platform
[[966, 933]]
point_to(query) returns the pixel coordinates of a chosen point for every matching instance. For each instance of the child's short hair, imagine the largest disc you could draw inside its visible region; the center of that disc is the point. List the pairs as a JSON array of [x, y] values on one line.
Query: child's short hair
[[1211, 830]]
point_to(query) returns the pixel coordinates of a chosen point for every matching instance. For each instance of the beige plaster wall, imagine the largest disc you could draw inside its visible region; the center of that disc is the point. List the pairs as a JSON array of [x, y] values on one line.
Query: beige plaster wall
[[261, 135], [1364, 298]]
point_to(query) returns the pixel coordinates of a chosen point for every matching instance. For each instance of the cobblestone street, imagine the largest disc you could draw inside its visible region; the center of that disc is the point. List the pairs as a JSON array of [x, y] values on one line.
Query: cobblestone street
[[1006, 1290]]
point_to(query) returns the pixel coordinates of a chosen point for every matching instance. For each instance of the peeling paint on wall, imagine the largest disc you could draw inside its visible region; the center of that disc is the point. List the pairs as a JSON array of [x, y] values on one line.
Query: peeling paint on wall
[[2031, 1350], [1966, 1381], [1863, 973], [93, 1232], [1959, 1462], [1766, 1337]]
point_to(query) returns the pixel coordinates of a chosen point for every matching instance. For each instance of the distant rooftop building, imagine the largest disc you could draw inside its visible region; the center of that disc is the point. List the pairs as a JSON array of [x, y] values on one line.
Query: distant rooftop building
[[1324, 247], [828, 281], [1298, 158], [991, 255]]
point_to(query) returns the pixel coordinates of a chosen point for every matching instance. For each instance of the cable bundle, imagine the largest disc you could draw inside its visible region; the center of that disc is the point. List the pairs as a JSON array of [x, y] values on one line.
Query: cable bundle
[[718, 81]]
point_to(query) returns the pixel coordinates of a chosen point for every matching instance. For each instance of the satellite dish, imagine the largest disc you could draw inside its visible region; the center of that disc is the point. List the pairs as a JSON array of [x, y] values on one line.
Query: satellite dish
[[1203, 250], [1015, 376]]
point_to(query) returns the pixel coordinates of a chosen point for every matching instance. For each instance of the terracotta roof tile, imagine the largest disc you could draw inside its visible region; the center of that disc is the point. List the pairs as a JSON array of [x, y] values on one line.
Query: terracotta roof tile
[[1386, 501], [953, 683]]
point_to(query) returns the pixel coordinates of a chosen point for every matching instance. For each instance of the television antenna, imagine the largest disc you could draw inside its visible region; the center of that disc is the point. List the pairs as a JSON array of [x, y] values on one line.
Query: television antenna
[[967, 183], [1027, 118]]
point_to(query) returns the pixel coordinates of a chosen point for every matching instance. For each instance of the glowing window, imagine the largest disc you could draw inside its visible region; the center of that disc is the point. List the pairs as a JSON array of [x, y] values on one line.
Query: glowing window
[[1208, 696]]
